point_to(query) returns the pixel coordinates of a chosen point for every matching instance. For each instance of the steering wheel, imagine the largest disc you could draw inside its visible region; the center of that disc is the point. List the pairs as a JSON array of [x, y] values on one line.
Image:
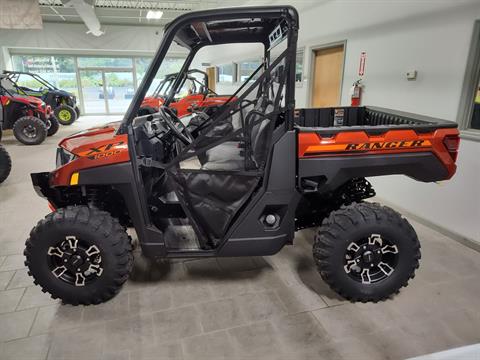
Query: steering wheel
[[169, 118]]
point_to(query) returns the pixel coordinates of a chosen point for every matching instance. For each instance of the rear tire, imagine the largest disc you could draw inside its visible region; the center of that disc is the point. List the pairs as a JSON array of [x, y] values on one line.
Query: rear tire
[[65, 114], [52, 125], [30, 130], [5, 164], [79, 254], [366, 252], [77, 111]]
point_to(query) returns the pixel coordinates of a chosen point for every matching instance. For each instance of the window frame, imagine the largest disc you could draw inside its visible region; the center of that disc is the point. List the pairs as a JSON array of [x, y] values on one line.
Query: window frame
[[470, 85], [300, 50]]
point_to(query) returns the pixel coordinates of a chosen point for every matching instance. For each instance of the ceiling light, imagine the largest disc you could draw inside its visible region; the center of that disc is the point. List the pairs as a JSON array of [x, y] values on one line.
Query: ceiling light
[[154, 15]]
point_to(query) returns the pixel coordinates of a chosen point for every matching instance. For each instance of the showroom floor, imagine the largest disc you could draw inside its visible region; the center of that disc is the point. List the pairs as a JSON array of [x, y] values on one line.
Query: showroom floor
[[249, 308]]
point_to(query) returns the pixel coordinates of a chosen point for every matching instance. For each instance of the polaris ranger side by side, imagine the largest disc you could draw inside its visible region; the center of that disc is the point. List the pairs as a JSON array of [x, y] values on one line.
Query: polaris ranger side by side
[[242, 183]]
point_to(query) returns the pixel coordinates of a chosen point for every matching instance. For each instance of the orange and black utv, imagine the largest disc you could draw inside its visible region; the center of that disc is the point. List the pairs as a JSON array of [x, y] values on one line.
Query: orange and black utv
[[241, 182]]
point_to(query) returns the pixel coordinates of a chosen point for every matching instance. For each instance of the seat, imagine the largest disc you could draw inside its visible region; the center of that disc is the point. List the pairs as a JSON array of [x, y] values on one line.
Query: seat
[[230, 156]]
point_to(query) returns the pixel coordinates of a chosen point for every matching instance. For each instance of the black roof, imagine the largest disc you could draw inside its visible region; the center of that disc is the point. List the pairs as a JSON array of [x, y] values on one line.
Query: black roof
[[230, 25]]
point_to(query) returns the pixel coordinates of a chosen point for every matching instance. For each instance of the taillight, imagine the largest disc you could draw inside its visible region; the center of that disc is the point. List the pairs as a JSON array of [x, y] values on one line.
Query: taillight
[[452, 143]]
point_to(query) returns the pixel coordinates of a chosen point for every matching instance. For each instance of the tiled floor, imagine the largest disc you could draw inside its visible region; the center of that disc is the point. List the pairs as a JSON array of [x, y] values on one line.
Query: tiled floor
[[251, 308]]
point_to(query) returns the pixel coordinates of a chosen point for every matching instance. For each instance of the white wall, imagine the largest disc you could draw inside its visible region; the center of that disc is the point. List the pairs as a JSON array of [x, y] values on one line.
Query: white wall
[[432, 37]]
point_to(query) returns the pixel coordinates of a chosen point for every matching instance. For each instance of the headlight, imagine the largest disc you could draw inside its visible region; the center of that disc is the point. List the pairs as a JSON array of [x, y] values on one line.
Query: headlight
[[64, 157]]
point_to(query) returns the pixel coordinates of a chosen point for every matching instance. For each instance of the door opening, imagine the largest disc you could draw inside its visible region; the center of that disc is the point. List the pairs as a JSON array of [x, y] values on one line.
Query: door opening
[[212, 76], [327, 76]]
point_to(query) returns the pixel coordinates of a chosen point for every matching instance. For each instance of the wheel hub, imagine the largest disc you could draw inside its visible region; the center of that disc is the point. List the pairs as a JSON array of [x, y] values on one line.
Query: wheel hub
[[370, 260], [30, 131], [75, 262], [64, 115]]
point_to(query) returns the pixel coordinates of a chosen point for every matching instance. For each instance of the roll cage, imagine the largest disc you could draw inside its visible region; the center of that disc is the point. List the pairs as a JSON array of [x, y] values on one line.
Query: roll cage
[[241, 188], [216, 27], [15, 75], [166, 84]]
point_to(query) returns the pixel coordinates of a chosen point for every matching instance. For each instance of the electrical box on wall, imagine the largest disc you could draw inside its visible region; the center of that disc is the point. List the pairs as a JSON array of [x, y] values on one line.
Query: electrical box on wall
[[412, 75]]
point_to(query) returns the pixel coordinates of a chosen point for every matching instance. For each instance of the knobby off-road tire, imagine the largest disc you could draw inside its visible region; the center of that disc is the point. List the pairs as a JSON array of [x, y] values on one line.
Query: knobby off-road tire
[[77, 111], [52, 126], [65, 114], [5, 164], [83, 237], [383, 258], [30, 130]]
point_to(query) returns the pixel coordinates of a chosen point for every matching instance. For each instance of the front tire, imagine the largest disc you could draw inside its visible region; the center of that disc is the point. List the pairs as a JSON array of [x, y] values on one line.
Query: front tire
[[366, 252], [65, 114], [79, 254], [5, 164], [30, 130]]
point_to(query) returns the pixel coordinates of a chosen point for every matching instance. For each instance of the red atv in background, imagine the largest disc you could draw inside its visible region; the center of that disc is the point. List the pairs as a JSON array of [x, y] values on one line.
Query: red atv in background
[[30, 118], [198, 95]]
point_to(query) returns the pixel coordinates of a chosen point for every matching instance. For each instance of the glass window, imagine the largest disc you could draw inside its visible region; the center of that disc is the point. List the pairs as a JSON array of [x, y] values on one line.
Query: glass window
[[57, 70], [170, 65], [30, 82], [475, 123], [246, 68], [226, 73], [299, 67], [142, 65], [112, 62]]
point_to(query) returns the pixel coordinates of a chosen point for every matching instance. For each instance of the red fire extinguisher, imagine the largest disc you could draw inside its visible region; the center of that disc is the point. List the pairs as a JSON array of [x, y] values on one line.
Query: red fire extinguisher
[[356, 93]]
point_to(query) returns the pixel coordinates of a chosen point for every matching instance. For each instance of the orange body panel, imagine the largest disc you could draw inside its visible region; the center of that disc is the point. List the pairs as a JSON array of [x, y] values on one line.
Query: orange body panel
[[354, 143], [92, 148]]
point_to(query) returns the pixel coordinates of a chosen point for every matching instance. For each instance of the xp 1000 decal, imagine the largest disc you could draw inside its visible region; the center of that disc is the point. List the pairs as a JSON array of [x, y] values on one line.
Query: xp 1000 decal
[[105, 150]]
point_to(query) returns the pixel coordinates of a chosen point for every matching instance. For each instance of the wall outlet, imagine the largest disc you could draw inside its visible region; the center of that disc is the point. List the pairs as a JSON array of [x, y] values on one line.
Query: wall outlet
[[412, 75]]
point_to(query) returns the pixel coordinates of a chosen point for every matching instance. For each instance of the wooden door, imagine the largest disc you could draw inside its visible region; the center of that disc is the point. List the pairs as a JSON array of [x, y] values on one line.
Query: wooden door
[[327, 77], [212, 76]]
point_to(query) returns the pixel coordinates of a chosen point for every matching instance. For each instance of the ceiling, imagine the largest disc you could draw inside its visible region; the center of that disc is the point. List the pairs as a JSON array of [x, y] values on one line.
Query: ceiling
[[126, 12], [133, 12]]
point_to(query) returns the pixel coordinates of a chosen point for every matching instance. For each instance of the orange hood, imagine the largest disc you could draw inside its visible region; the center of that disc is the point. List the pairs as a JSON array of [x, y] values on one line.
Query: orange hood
[[84, 140]]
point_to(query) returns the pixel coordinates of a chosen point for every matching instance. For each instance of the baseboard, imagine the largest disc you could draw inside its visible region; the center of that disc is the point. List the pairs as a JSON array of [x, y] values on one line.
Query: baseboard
[[472, 244]]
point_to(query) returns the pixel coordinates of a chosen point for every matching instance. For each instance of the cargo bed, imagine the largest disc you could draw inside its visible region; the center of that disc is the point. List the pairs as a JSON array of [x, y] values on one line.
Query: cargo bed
[[345, 142], [366, 118]]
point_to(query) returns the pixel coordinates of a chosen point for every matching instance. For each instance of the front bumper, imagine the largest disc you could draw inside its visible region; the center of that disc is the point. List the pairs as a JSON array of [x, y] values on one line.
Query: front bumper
[[41, 184]]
